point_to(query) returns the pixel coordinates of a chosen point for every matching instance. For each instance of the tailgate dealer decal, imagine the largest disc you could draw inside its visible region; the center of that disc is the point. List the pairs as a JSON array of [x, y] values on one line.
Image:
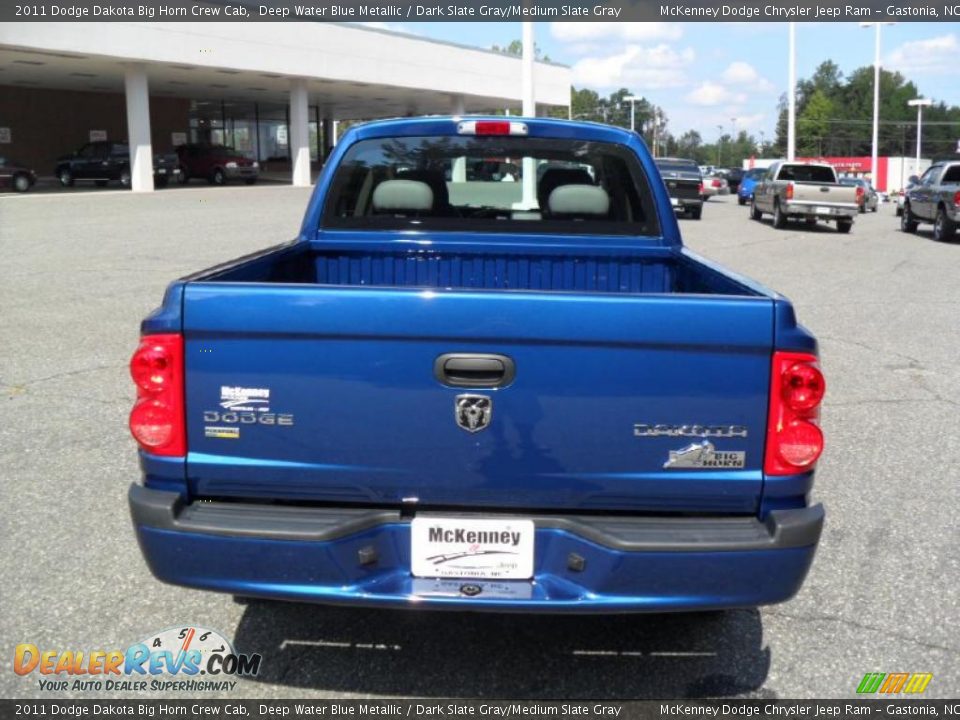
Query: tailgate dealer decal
[[241, 398], [241, 406]]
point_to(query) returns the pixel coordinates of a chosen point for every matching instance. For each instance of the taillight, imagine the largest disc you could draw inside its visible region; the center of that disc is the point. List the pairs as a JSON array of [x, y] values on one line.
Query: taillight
[[701, 188], [492, 127], [956, 198], [788, 193], [860, 194], [794, 438], [716, 183], [157, 418]]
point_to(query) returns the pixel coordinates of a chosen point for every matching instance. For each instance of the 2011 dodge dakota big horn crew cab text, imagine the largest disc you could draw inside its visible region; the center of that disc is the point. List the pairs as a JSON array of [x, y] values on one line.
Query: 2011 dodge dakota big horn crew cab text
[[460, 391]]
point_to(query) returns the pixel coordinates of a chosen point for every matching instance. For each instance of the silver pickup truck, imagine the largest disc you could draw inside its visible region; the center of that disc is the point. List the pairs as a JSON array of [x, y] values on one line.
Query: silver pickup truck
[[804, 190], [935, 198]]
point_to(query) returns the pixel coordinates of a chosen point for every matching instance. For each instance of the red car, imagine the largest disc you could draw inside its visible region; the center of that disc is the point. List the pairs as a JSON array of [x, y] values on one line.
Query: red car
[[217, 163]]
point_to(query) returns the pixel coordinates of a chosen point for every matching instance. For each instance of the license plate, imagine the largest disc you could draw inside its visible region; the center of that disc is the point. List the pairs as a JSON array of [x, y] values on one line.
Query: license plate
[[674, 202], [445, 547], [821, 210], [162, 171]]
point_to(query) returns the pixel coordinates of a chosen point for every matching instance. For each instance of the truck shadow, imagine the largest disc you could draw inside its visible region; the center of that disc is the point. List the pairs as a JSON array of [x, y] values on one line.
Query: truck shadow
[[465, 655], [799, 226]]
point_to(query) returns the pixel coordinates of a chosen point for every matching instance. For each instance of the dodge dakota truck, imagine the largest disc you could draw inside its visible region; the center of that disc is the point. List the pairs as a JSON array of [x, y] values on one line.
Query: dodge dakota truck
[[477, 394], [934, 199], [811, 191]]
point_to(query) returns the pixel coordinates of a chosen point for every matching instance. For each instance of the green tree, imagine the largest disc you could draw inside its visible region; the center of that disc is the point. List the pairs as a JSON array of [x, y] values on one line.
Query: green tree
[[813, 124], [779, 146], [515, 47]]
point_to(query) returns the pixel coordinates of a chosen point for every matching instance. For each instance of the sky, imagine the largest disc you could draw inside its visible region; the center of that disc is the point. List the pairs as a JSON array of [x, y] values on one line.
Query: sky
[[706, 75]]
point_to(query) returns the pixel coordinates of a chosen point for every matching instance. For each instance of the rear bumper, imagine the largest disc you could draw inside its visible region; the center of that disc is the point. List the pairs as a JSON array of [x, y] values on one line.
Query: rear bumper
[[241, 172], [824, 212], [362, 557], [684, 204]]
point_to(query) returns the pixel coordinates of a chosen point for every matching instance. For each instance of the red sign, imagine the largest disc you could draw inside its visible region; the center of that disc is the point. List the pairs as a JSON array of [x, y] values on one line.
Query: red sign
[[857, 166]]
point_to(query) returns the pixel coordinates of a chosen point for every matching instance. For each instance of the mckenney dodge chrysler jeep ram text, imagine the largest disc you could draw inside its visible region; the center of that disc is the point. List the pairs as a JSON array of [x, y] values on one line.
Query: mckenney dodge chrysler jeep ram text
[[457, 391]]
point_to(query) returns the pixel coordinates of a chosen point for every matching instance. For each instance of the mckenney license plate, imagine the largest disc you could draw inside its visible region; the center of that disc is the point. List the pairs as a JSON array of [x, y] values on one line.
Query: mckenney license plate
[[444, 547]]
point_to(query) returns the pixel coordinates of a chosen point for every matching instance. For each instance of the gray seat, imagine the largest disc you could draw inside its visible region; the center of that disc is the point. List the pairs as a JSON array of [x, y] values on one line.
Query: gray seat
[[579, 202], [402, 197]]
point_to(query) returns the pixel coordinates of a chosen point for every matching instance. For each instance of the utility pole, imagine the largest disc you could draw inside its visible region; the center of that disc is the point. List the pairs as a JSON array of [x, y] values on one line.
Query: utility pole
[[874, 150], [529, 165], [632, 99], [792, 95], [919, 104]]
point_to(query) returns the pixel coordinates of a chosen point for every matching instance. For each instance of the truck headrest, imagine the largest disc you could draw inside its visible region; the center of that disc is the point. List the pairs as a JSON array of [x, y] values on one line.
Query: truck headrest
[[554, 177], [579, 200], [403, 195]]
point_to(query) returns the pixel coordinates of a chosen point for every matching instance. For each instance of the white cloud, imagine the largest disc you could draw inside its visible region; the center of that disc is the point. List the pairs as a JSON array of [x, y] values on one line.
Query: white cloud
[[755, 121], [709, 94], [744, 74], [581, 32], [636, 67], [933, 56]]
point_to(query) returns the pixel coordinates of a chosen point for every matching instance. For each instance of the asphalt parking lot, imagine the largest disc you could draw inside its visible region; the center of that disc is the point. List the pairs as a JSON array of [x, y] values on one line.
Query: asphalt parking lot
[[80, 270]]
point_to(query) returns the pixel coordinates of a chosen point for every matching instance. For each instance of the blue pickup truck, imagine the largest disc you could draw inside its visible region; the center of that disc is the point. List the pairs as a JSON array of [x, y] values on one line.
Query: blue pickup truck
[[486, 375]]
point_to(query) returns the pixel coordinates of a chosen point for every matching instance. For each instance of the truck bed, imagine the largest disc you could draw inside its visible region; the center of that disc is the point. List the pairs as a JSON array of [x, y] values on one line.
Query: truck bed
[[616, 269]]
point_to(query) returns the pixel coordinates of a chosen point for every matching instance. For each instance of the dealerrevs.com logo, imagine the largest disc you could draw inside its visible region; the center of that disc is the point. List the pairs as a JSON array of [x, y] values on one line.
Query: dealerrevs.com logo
[[186, 658]]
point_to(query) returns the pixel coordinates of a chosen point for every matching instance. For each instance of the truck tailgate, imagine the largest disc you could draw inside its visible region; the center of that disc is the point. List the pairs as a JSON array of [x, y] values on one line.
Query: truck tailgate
[[328, 394], [824, 194]]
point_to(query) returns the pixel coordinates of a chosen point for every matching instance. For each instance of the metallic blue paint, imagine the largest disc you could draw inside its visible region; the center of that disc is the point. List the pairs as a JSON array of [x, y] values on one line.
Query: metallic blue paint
[[612, 581], [343, 327], [745, 189]]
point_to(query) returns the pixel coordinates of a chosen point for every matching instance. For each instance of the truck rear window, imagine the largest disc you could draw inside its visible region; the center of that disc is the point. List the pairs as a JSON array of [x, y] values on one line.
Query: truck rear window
[[482, 184], [808, 173]]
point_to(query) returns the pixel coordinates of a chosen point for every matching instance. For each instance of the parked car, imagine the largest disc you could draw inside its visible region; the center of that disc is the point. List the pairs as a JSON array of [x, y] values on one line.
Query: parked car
[[104, 161], [457, 394], [902, 195], [16, 176], [684, 184], [935, 199], [218, 164], [867, 197], [808, 191], [749, 181], [733, 177], [714, 185]]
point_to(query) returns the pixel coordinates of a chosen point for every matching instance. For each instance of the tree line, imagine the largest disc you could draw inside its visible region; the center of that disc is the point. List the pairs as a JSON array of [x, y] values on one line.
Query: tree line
[[835, 116]]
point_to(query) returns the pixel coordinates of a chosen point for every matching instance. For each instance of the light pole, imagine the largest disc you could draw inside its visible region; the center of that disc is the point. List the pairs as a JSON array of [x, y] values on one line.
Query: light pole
[[733, 136], [528, 94], [719, 143], [761, 141], [792, 95], [876, 96], [632, 99], [919, 104]]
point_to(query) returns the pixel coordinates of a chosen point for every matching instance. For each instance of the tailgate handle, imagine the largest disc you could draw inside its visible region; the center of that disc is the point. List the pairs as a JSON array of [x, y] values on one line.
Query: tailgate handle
[[473, 370]]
